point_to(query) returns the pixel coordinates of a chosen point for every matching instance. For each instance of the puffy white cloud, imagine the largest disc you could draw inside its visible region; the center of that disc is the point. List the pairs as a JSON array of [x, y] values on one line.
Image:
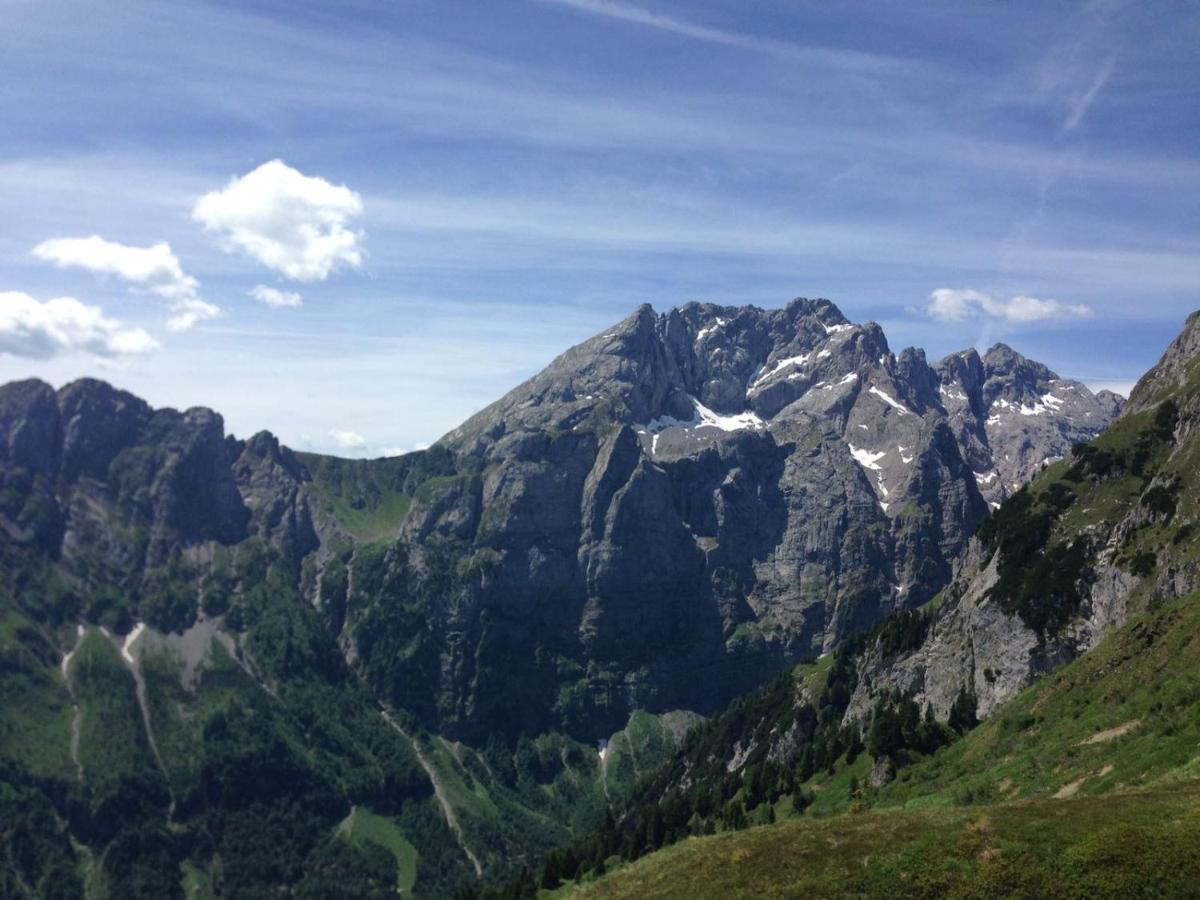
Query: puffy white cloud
[[275, 298], [290, 222], [154, 268], [348, 440], [41, 330], [958, 304]]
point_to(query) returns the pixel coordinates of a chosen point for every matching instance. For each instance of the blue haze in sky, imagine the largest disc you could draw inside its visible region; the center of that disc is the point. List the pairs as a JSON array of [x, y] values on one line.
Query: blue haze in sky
[[464, 189]]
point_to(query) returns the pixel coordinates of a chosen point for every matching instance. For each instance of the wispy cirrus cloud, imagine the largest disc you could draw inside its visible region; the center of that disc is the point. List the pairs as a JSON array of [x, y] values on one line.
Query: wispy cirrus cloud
[[960, 304], [639, 15], [1082, 102]]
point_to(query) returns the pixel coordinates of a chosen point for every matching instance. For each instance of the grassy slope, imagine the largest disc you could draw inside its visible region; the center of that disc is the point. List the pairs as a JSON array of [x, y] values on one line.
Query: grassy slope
[[368, 498], [364, 825], [1144, 844], [35, 708], [981, 816], [498, 817], [1143, 681]]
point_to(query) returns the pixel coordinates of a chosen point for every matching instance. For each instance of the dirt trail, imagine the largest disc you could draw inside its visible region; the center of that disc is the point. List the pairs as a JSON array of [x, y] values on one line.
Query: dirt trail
[[440, 792], [77, 717], [144, 705], [1111, 734], [604, 770]]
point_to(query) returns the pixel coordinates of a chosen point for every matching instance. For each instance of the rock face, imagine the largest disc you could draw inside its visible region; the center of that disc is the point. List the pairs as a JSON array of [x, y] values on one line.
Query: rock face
[[115, 488], [687, 503], [1130, 503]]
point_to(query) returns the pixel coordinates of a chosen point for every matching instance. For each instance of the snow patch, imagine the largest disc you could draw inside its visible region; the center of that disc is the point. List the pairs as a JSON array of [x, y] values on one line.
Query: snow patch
[[1044, 404], [890, 401], [904, 459], [836, 329], [981, 478], [1047, 403], [710, 329], [702, 417], [867, 458], [849, 379], [766, 375]]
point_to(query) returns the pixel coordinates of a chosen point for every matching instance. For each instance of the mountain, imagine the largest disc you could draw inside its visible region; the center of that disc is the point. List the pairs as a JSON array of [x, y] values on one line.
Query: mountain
[[1069, 629], [240, 669], [1093, 539], [687, 503]]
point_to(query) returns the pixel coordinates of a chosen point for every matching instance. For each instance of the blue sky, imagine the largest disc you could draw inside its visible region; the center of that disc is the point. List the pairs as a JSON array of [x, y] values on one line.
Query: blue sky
[[467, 188]]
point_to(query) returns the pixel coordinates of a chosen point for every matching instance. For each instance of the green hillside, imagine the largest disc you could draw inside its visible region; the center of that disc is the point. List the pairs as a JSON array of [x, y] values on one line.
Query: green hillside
[[1087, 784], [1141, 844]]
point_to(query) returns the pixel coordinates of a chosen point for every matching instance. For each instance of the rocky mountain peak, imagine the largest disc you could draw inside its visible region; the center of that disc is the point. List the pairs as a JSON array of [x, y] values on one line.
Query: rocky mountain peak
[[29, 425], [1014, 377], [715, 483], [1177, 365]]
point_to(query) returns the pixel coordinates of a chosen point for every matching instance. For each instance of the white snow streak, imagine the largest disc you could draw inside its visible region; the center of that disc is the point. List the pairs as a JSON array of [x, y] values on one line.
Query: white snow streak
[[780, 365], [890, 401]]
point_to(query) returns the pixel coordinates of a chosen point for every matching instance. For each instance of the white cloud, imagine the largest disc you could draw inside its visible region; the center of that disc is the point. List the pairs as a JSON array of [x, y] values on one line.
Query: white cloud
[[41, 330], [275, 298], [400, 451], [154, 268], [348, 440], [292, 223], [958, 304], [187, 313]]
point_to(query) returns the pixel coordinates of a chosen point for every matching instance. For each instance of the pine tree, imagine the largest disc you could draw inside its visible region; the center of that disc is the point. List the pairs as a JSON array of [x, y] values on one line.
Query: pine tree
[[963, 712], [550, 873]]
